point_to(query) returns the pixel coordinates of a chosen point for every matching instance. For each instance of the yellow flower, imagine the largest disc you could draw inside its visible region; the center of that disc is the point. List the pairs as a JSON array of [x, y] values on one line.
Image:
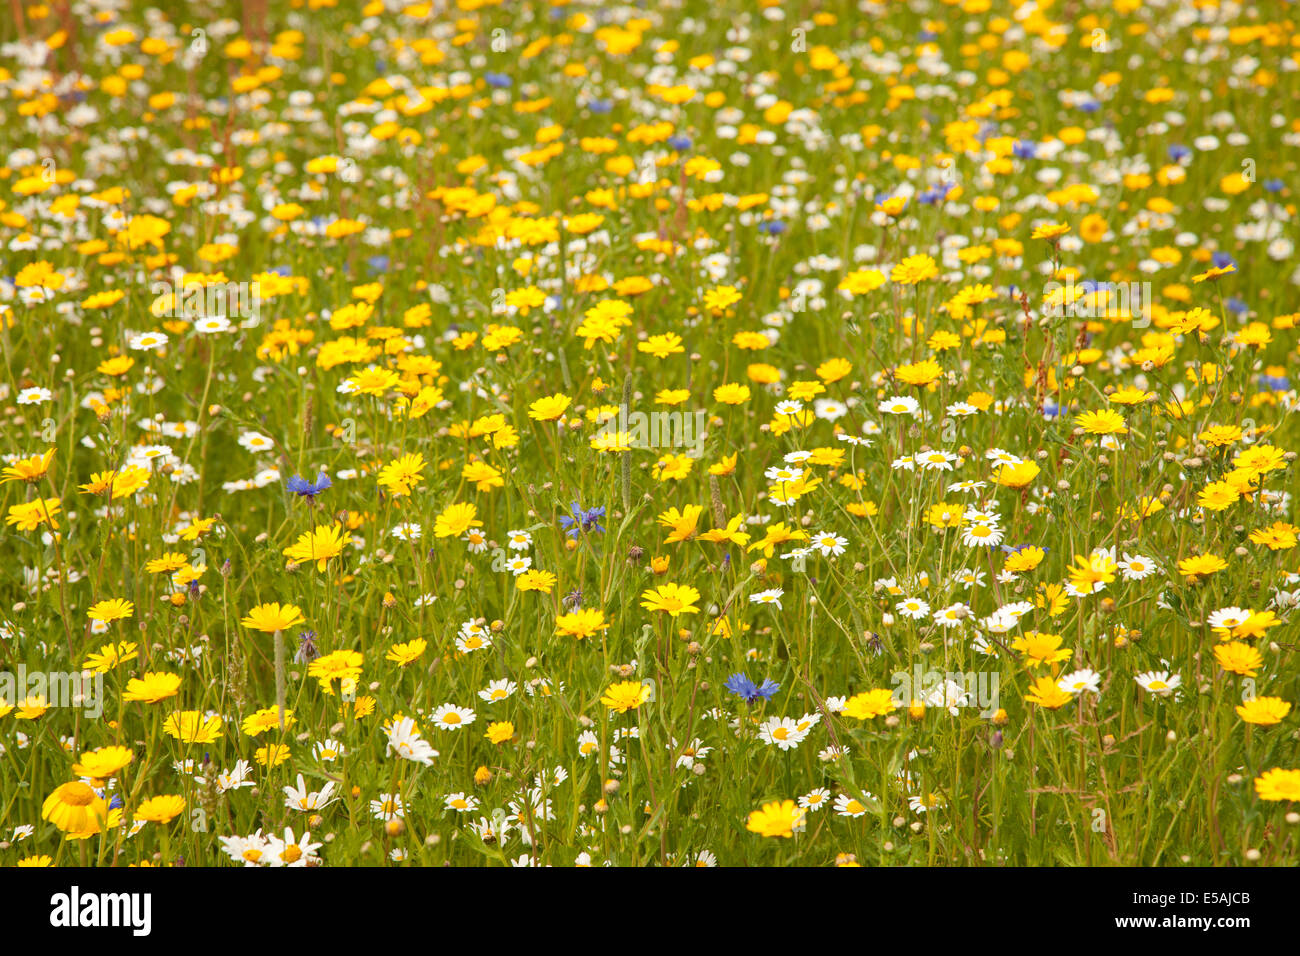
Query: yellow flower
[[500, 731], [317, 546], [373, 381], [914, 269], [672, 467], [1026, 559], [482, 475], [663, 345], [110, 656], [536, 580], [675, 599], [1088, 573], [731, 533], [626, 695], [32, 514], [860, 282], [776, 819], [1104, 422], [76, 810], [272, 617], [945, 515], [920, 373], [30, 470], [774, 535], [1256, 625], [455, 520], [1238, 658], [1200, 565], [682, 522], [1046, 693], [1264, 711], [1041, 648], [731, 393], [161, 809], [343, 666], [401, 475], [152, 688], [550, 408], [32, 707], [192, 727], [869, 704], [892, 206], [832, 370], [1218, 495], [721, 298], [409, 653], [1050, 231], [112, 610], [120, 483], [1279, 536], [1214, 273], [1016, 476], [582, 623], [103, 762], [1278, 784], [272, 755], [169, 562], [268, 718]]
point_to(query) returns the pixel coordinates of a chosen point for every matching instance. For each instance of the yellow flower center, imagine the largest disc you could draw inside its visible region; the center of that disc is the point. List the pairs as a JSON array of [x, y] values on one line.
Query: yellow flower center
[[78, 795]]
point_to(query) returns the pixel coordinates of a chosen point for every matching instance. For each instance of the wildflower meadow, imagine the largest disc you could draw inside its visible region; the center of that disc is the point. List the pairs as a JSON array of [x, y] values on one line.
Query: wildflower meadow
[[570, 433]]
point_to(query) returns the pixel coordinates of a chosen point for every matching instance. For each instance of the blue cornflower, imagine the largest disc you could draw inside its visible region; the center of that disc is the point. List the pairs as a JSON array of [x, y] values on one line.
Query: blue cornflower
[[1221, 260], [1025, 149], [307, 649], [303, 488], [498, 80], [581, 519], [601, 107], [679, 143], [741, 684], [771, 227]]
